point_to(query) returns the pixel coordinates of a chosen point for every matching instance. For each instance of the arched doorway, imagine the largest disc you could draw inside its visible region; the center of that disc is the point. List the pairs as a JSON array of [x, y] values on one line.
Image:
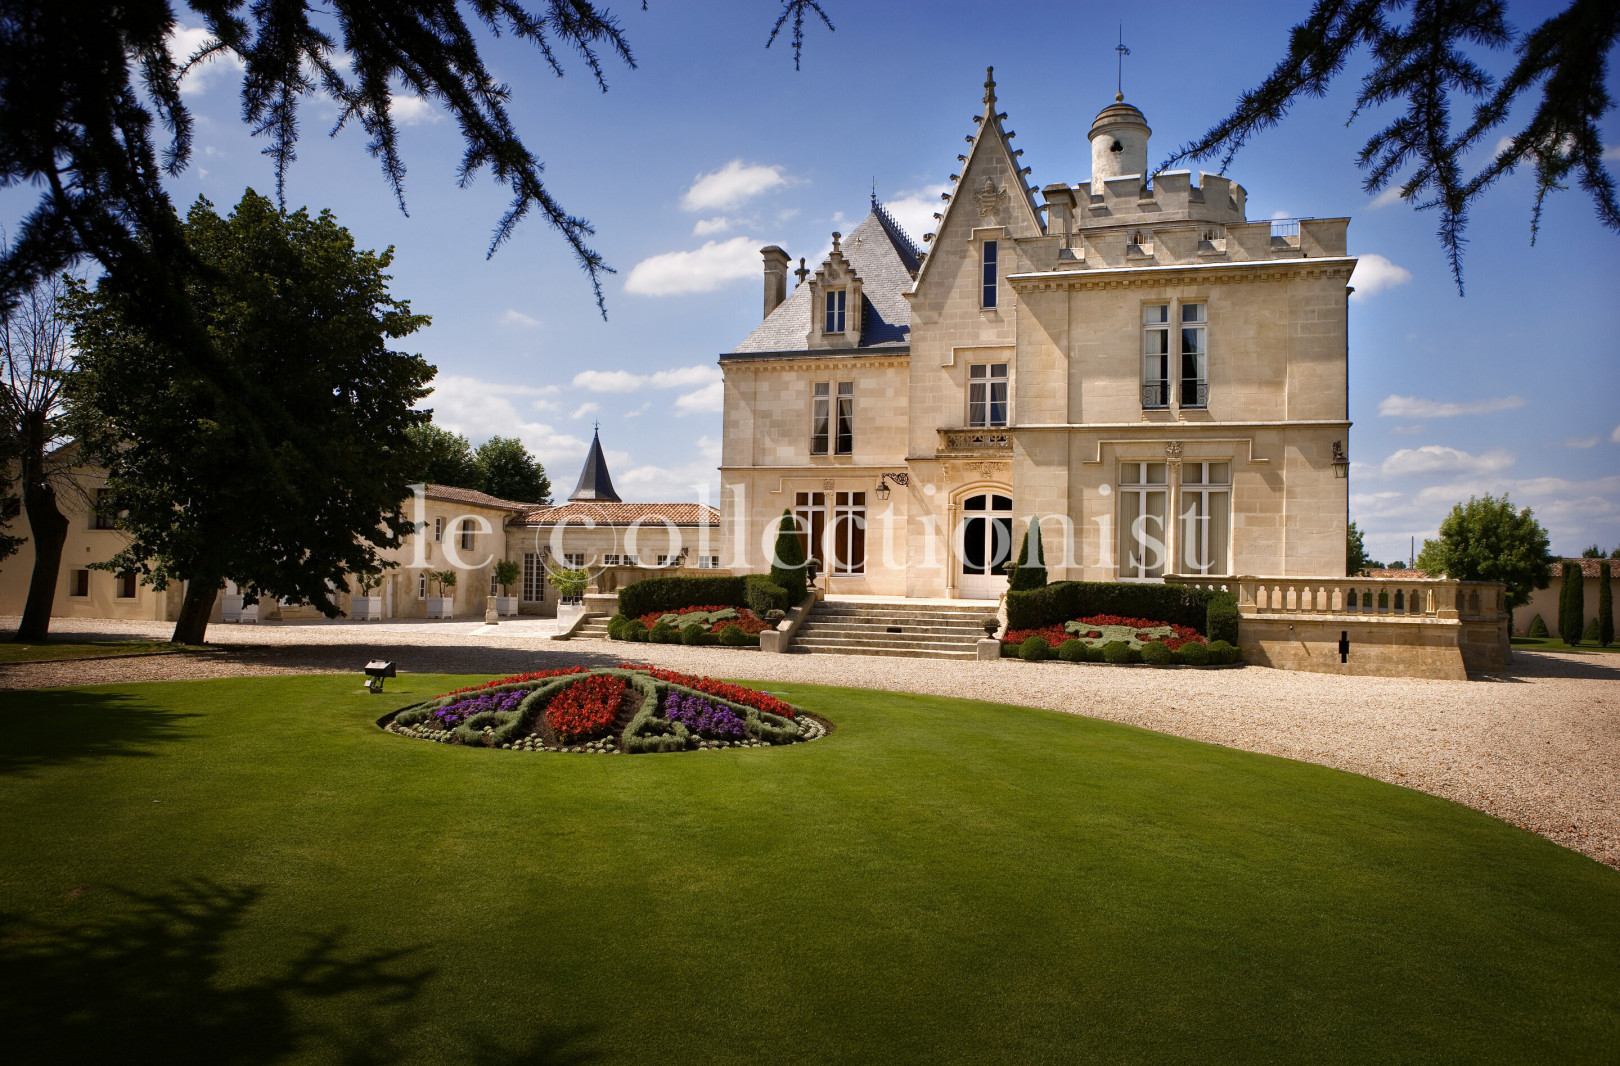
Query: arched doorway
[[984, 545]]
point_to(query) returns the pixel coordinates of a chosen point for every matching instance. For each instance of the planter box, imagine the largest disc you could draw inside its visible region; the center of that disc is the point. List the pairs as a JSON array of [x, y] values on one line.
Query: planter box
[[230, 608], [441, 606], [567, 614], [366, 608], [249, 615], [506, 606]]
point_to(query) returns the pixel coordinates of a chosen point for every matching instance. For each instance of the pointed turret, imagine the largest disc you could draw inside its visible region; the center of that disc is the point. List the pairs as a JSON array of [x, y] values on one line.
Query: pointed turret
[[594, 482]]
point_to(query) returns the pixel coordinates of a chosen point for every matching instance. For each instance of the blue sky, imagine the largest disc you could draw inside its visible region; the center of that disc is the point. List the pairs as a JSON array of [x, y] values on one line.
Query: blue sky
[[714, 147]]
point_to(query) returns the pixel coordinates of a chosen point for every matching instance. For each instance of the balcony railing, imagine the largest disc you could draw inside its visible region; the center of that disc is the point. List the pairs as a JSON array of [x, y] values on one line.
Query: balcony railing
[[1194, 393], [1359, 596], [1156, 394], [987, 441]]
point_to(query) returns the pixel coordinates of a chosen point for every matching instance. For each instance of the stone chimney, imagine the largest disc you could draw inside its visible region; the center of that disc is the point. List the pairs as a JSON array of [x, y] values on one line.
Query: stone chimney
[[776, 272]]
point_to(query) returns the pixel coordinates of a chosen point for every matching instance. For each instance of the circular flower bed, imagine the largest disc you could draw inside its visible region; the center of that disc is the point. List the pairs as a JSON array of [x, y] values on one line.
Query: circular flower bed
[[700, 624], [1119, 640], [628, 710]]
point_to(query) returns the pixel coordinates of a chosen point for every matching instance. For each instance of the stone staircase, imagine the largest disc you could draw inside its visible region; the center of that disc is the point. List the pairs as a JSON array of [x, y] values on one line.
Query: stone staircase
[[595, 628], [914, 630]]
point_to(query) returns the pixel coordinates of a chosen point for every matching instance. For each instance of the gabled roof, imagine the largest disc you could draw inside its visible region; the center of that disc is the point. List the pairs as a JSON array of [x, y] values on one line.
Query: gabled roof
[[623, 514], [885, 260], [594, 482], [472, 497]]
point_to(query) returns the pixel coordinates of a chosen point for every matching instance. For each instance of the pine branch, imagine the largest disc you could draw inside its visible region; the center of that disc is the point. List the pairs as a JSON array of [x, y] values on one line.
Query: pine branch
[[796, 9]]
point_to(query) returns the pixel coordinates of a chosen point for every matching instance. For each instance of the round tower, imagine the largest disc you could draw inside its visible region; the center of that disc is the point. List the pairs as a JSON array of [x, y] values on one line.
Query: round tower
[[1119, 139]]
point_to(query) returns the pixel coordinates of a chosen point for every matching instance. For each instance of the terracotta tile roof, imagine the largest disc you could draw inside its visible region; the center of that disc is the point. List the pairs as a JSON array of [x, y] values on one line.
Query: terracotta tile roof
[[452, 494], [1589, 567], [623, 514], [1408, 572]]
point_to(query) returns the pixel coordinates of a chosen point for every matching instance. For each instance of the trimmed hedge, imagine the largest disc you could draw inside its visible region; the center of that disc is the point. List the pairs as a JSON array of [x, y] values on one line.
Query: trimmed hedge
[[1158, 653], [1210, 611], [1035, 650], [1072, 651], [757, 592], [1221, 653], [1194, 654]]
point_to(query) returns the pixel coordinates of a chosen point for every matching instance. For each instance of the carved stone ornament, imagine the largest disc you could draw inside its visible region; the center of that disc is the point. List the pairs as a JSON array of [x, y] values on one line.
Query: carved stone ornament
[[991, 199], [827, 484], [1172, 449]]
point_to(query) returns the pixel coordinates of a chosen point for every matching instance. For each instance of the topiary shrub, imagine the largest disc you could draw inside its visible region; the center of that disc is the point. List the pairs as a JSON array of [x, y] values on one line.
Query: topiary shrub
[[1221, 653], [1194, 654], [1035, 650], [1095, 654], [1221, 617], [1025, 574], [1157, 653], [616, 626], [733, 636], [1593, 631], [1118, 652], [693, 635], [762, 595], [787, 567], [1072, 651], [633, 630], [664, 633], [1538, 627]]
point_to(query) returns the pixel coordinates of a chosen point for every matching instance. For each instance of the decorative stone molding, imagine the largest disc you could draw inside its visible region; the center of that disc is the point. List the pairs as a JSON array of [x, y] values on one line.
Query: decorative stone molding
[[991, 200], [1172, 449], [974, 441], [1221, 274]]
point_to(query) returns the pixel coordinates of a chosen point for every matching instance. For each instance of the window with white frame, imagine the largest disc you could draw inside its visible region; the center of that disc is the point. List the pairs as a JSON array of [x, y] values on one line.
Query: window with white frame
[[421, 586], [708, 562], [573, 560], [438, 529], [810, 520], [834, 318], [663, 560], [1144, 507], [844, 438], [1175, 356], [534, 578], [987, 394], [611, 559], [1194, 356], [832, 417], [1156, 355], [494, 589], [468, 526], [820, 417], [1206, 518], [987, 274], [849, 533]]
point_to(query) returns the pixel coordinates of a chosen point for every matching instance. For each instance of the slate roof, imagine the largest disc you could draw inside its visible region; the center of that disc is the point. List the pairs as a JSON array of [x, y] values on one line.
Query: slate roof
[[452, 494], [885, 259], [623, 514], [594, 482]]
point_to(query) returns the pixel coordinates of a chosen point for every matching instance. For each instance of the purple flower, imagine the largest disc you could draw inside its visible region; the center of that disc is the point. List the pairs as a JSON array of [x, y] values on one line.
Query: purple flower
[[453, 714], [703, 717]]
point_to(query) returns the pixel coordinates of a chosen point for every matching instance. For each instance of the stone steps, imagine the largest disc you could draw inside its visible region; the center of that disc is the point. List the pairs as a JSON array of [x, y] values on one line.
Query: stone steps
[[925, 631]]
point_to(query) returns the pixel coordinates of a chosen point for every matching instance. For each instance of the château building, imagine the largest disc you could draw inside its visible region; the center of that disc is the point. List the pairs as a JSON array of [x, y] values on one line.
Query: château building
[[1158, 380]]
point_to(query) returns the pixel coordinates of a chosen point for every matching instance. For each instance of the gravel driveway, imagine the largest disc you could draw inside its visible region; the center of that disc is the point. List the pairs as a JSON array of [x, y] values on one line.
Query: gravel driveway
[[1537, 745]]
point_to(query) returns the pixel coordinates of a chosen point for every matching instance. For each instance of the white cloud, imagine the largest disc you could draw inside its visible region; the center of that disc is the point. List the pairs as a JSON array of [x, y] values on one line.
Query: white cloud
[[1391, 195], [1438, 459], [638, 412], [585, 409], [518, 318], [730, 185], [915, 210], [184, 42], [685, 482], [409, 109], [1375, 273], [482, 409], [708, 399], [624, 381], [703, 270], [1416, 407], [1406, 431], [1615, 436], [1279, 216], [1582, 442], [1611, 152], [705, 226]]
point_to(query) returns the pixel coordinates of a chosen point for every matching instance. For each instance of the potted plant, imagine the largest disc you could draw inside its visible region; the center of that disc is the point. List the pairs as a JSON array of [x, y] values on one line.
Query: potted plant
[[506, 575], [368, 606], [444, 604], [571, 585]]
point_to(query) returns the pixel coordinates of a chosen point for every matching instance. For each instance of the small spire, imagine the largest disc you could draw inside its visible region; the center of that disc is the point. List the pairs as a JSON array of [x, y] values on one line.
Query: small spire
[[836, 238], [1119, 96], [874, 191], [990, 88]]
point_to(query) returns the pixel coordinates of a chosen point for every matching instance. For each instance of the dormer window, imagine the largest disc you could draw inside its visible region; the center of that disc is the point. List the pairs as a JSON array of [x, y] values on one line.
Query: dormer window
[[835, 311]]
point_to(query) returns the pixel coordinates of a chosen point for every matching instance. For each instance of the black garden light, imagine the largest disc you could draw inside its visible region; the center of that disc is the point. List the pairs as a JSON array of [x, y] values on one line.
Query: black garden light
[[376, 670]]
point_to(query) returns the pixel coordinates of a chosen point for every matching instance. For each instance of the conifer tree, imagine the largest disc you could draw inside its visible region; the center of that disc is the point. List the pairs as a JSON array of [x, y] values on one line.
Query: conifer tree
[[1026, 574], [1605, 615], [787, 563], [1572, 603]]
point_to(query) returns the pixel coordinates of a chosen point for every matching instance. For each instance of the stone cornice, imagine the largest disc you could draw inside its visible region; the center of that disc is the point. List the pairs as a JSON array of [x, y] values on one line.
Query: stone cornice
[[821, 361], [1208, 273]]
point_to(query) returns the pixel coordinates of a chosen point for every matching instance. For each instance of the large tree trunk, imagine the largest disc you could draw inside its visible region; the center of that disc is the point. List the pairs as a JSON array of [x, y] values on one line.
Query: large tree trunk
[[192, 626], [48, 527]]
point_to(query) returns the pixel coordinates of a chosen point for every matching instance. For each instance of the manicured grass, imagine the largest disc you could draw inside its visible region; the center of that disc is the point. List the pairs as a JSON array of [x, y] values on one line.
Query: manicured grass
[[1554, 644], [249, 871], [19, 652]]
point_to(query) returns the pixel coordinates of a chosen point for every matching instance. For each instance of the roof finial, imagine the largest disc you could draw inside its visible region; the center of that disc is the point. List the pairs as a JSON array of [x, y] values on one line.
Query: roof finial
[[1119, 94], [990, 87], [874, 190]]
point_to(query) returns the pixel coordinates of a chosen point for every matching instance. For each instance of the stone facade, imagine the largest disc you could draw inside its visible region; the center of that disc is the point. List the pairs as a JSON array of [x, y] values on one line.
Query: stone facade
[[1160, 381]]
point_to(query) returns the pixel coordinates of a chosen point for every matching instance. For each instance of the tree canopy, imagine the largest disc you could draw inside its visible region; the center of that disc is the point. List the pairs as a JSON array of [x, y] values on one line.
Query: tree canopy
[[1485, 539], [1356, 558], [1421, 54], [443, 458], [302, 317], [506, 469]]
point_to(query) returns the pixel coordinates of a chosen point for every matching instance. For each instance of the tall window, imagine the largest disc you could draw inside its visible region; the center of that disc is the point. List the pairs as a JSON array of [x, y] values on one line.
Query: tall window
[[1156, 355], [844, 442], [849, 533], [820, 416], [126, 585], [534, 578], [438, 530], [835, 311], [81, 583], [987, 274], [467, 527], [1194, 382], [1144, 506], [1206, 517], [987, 394], [810, 512], [421, 586]]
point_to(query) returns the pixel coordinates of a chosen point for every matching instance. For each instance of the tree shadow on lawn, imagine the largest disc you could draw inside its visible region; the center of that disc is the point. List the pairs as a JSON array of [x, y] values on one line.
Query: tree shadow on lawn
[[157, 981], [50, 728]]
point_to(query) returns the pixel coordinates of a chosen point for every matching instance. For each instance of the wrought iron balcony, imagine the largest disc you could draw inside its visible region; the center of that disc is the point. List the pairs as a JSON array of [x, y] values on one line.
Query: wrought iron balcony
[[994, 440], [1156, 394], [1194, 393]]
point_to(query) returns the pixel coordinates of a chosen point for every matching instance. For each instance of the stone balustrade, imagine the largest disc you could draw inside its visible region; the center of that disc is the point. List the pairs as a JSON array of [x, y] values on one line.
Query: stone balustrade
[[975, 442], [1360, 596]]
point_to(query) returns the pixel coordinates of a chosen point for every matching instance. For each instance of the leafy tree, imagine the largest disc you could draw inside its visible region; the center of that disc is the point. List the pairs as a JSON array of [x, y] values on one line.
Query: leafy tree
[[1572, 603], [1026, 574], [1485, 539], [35, 361], [506, 574], [1605, 615], [302, 317], [1594, 552], [10, 502], [787, 563], [1356, 558], [1397, 564], [1420, 54], [506, 469], [444, 458]]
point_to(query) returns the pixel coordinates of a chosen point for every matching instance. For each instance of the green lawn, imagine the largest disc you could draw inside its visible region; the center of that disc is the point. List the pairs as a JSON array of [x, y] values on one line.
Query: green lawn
[[1554, 644], [249, 871], [12, 651]]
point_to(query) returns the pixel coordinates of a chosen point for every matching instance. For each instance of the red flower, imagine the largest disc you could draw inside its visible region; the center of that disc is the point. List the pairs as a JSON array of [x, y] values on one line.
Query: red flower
[[538, 675], [745, 620], [748, 697], [587, 707]]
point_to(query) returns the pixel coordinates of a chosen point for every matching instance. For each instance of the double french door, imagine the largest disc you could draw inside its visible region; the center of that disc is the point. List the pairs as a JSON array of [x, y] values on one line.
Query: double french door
[[984, 546]]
